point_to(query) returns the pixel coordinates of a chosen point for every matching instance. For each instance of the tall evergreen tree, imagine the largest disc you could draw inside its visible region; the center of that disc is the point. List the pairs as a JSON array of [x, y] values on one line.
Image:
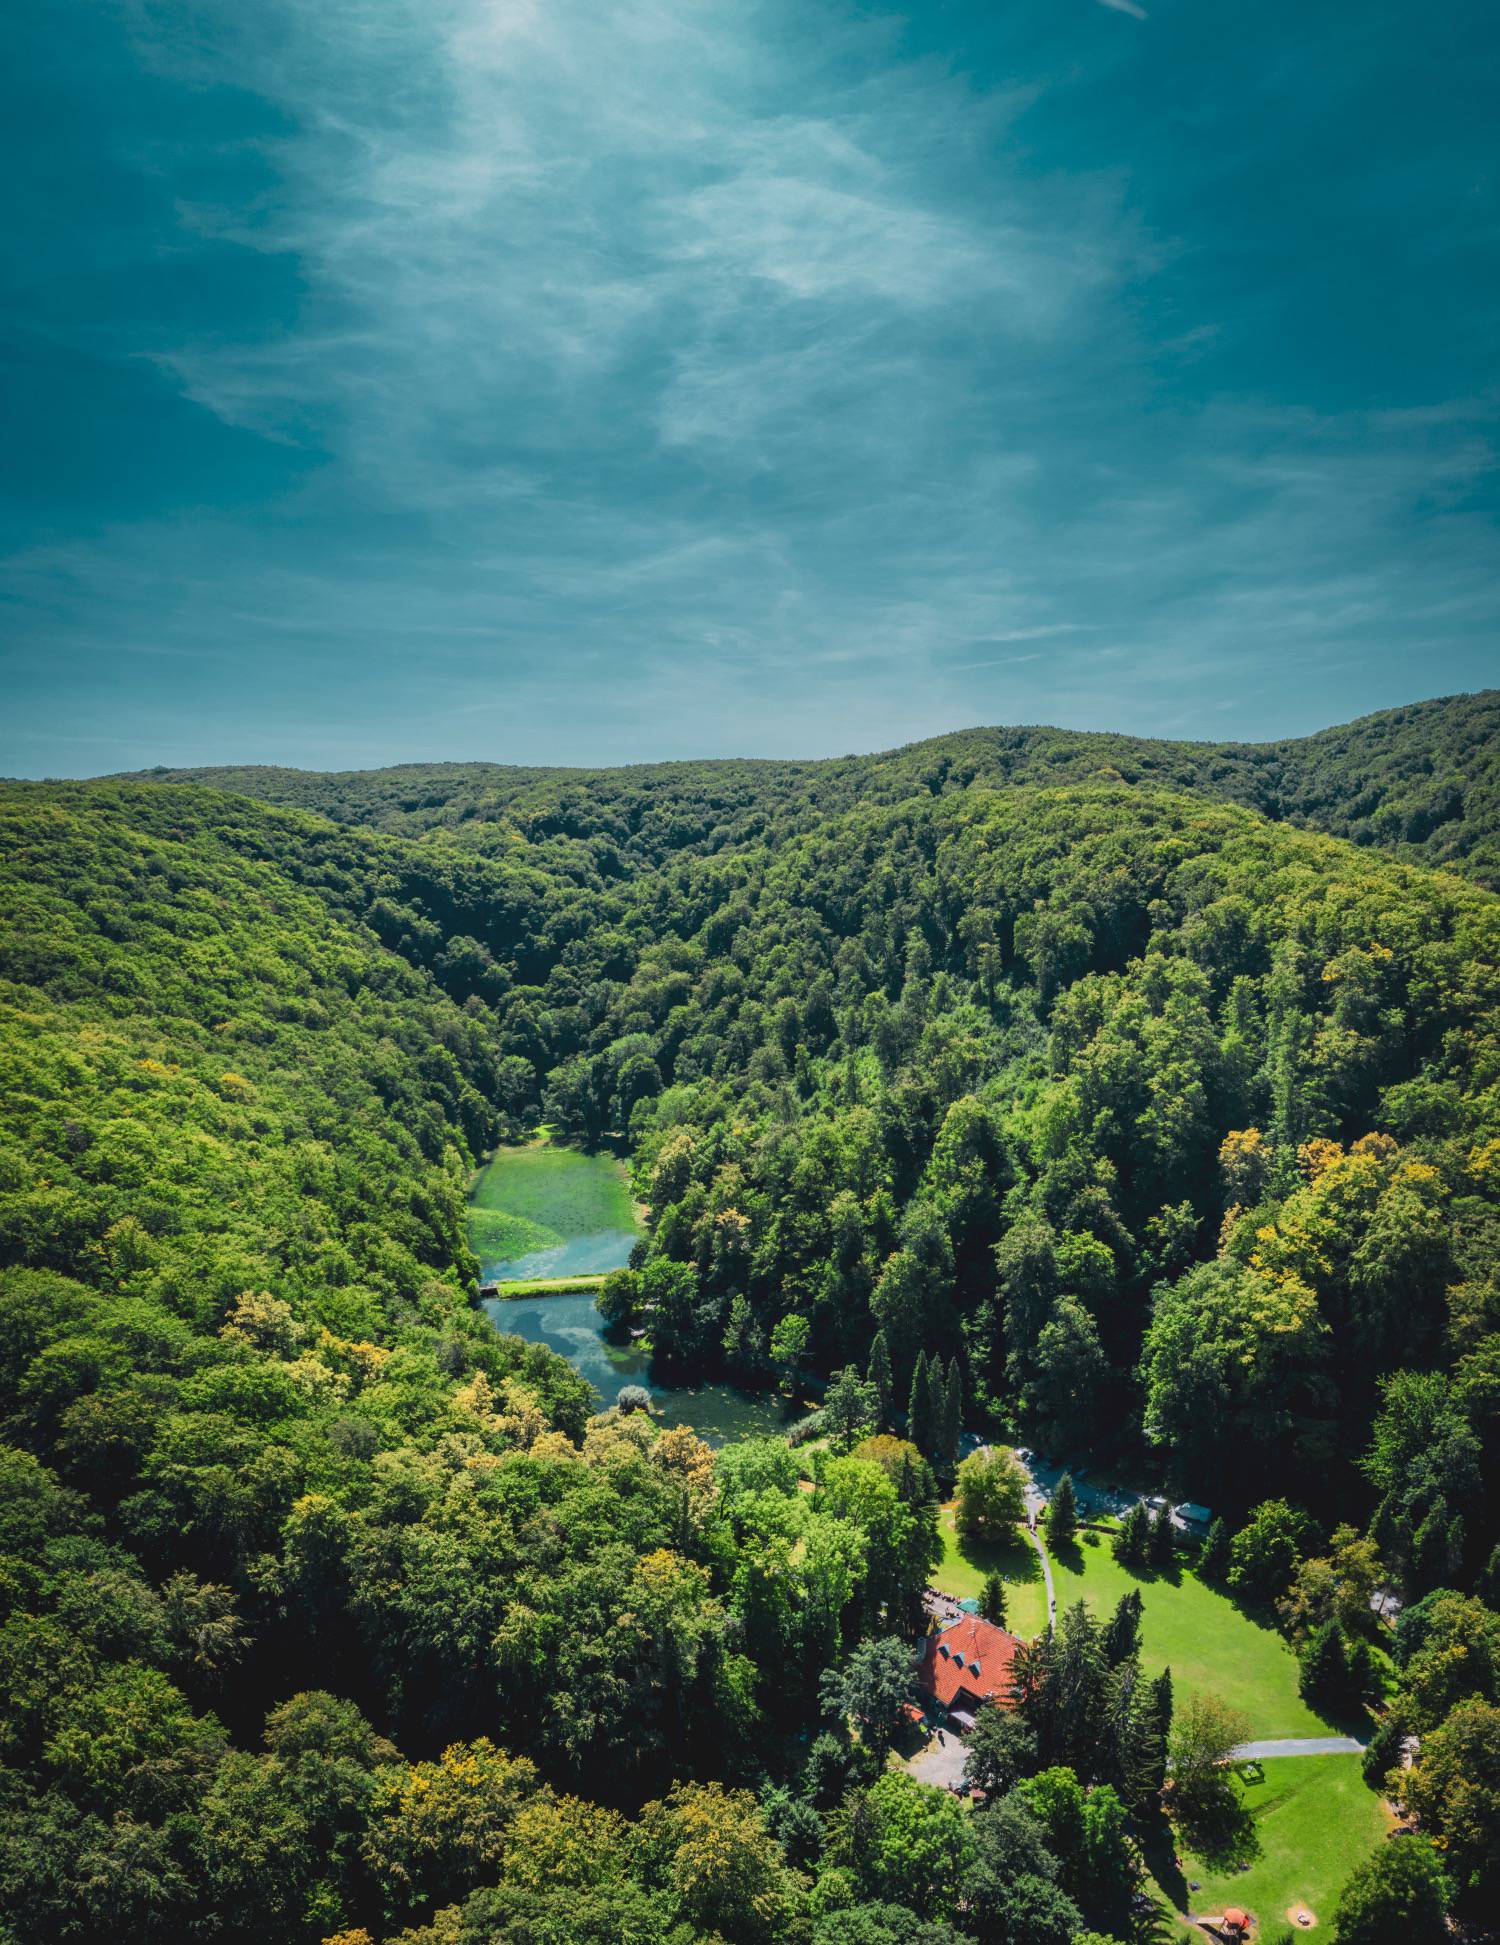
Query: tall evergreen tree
[[1119, 1755], [992, 1599], [1161, 1696], [1132, 1543], [1324, 1679], [1359, 1661], [919, 1426], [1156, 1725], [1062, 1514], [937, 1406], [1436, 1550], [1082, 1683], [1162, 1549], [880, 1376], [1122, 1633], [953, 1417], [1213, 1555]]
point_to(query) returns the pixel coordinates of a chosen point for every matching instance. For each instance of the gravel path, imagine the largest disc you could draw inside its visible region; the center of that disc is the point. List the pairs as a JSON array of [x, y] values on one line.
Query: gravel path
[[1034, 1505], [1041, 1554]]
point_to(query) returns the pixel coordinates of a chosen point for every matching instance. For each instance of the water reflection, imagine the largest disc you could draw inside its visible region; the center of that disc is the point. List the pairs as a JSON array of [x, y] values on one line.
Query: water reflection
[[570, 1326], [594, 1255]]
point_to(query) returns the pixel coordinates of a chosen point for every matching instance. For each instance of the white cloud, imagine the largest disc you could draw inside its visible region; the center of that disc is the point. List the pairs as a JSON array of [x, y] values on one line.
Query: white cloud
[[532, 230]]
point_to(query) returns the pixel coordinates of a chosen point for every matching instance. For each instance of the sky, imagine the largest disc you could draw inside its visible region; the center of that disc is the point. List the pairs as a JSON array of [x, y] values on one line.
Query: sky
[[596, 381]]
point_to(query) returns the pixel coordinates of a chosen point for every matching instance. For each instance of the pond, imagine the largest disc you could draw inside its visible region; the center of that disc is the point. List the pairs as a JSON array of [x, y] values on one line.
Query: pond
[[571, 1326], [595, 1255], [543, 1210], [540, 1210]]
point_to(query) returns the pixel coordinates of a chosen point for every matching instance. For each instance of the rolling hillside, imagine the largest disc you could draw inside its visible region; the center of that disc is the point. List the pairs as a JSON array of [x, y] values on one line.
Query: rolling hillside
[[1422, 782]]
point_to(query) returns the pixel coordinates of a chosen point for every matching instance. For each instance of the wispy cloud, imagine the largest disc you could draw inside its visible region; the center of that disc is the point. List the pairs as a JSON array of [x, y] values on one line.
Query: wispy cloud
[[585, 230], [726, 371], [1038, 634], [1125, 7]]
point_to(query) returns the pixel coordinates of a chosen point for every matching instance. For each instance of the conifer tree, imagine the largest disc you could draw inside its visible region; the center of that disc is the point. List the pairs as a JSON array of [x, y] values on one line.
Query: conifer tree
[[880, 1377], [1127, 1748], [1161, 1696], [952, 1422], [1436, 1551], [1131, 1543], [937, 1407], [992, 1599], [1062, 1514], [1213, 1555], [1079, 1680], [919, 1426], [1162, 1549], [1325, 1668], [1122, 1632], [1359, 1665], [1157, 1727]]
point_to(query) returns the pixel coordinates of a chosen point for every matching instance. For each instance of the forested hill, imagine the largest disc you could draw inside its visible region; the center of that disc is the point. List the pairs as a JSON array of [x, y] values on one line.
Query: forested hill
[[1168, 1133], [1422, 782]]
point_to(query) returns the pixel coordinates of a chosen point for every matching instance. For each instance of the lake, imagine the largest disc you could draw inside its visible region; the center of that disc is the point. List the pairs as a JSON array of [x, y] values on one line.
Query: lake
[[571, 1326], [594, 1255], [545, 1211]]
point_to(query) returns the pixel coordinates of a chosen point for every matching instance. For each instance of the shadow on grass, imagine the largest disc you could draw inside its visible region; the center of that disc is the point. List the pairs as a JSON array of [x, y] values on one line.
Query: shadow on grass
[[1168, 1574], [1220, 1828], [1011, 1557], [1160, 1853]]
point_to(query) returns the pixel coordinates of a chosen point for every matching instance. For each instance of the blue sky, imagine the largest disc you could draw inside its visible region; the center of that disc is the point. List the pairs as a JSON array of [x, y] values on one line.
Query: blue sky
[[600, 380]]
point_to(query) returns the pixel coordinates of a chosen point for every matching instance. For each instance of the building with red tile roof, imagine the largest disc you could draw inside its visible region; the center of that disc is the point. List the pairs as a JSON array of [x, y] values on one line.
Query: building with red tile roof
[[962, 1666]]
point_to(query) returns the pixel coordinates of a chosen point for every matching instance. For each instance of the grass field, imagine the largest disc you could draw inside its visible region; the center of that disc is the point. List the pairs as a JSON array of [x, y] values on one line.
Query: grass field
[[538, 1196], [963, 1574], [1313, 1820], [1209, 1643]]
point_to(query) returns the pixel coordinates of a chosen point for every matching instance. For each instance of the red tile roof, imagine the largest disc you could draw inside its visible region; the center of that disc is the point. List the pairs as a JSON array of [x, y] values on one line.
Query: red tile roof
[[948, 1668]]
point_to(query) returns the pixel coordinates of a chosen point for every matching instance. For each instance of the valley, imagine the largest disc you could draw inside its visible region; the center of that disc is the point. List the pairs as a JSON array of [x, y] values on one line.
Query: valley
[[843, 1119]]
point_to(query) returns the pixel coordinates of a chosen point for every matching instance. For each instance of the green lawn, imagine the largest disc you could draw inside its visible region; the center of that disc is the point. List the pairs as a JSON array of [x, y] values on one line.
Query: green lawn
[[1313, 1820], [537, 1196], [963, 1574], [1208, 1642]]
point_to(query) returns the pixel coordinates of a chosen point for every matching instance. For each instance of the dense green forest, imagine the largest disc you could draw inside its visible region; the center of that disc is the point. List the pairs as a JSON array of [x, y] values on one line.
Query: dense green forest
[[1422, 782], [1145, 1092]]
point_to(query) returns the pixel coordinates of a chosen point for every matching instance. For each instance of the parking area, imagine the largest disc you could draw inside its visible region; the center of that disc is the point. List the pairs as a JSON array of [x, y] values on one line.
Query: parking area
[[940, 1761]]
